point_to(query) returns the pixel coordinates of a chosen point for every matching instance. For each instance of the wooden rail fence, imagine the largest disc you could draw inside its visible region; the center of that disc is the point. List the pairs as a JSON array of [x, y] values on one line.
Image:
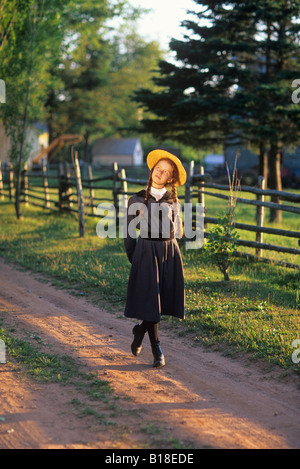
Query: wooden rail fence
[[66, 187]]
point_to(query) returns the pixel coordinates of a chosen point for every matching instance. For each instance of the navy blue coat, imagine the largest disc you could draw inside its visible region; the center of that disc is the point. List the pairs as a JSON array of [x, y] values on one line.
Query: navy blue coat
[[156, 281]]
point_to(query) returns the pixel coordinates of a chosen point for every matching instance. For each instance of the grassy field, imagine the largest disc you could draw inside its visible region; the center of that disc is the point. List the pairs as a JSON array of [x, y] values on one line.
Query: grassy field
[[257, 313]]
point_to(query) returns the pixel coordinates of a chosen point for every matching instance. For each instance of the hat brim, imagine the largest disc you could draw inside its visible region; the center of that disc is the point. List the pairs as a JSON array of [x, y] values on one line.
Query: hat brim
[[156, 155]]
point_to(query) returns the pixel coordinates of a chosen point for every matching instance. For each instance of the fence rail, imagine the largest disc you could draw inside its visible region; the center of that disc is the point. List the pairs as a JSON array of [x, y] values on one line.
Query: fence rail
[[62, 188]]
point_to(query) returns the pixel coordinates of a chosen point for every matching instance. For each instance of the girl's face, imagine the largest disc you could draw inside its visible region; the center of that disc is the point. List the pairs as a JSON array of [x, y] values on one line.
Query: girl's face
[[162, 174]]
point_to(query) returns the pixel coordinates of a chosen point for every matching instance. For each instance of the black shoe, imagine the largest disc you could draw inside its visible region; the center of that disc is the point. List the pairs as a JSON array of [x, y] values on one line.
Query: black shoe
[[136, 345], [159, 359]]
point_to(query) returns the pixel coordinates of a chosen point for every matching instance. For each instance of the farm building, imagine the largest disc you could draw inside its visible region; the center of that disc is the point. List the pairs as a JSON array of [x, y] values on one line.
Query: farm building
[[37, 137], [125, 151]]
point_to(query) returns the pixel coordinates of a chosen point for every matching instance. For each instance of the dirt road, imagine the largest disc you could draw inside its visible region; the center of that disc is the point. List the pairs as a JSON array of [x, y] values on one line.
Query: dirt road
[[200, 399]]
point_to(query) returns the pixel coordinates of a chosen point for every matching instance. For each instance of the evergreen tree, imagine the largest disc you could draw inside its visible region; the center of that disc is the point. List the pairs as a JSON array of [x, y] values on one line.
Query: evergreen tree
[[267, 112]]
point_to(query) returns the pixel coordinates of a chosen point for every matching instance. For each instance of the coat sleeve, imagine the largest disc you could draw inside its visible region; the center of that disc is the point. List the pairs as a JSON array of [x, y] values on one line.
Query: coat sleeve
[[130, 241]]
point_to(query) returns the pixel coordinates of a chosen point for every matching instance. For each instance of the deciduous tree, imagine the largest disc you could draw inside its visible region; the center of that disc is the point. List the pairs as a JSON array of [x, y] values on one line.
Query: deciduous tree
[[30, 38]]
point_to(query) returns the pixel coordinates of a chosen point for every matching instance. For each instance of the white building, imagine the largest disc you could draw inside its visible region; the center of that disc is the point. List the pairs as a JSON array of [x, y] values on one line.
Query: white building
[[124, 151], [37, 137]]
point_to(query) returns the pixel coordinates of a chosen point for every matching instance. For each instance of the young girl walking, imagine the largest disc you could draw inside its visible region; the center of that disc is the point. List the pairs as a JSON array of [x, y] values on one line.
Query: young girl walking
[[156, 282]]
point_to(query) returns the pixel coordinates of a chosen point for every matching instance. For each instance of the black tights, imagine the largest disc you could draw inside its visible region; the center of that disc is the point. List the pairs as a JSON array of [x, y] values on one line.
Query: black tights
[[152, 328]]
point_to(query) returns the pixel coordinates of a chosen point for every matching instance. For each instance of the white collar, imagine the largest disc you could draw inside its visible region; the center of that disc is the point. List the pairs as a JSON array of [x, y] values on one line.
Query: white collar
[[157, 193]]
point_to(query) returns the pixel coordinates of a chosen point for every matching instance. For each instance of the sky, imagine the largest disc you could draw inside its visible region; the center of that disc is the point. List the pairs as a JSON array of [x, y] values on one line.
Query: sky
[[163, 22]]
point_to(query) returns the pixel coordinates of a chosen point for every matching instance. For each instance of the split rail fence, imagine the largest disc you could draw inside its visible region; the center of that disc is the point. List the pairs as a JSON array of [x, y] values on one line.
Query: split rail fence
[[72, 188]]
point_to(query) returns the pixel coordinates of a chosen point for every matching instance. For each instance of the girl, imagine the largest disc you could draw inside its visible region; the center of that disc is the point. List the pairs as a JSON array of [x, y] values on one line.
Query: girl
[[156, 283]]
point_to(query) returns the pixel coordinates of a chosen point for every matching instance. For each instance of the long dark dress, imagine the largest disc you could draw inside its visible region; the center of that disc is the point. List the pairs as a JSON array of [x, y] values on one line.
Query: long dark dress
[[156, 282]]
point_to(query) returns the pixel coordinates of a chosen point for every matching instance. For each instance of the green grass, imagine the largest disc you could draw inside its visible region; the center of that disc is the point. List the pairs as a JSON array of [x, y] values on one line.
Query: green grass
[[42, 366], [256, 313], [47, 367]]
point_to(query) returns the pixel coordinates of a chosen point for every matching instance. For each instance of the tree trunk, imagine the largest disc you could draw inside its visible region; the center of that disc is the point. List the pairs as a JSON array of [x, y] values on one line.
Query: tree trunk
[[86, 147], [263, 162], [225, 272], [79, 196], [23, 130], [275, 179], [50, 120], [18, 192], [20, 154]]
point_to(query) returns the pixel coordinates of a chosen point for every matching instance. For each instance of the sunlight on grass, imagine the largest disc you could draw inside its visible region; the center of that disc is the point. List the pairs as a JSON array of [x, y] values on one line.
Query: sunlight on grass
[[257, 312]]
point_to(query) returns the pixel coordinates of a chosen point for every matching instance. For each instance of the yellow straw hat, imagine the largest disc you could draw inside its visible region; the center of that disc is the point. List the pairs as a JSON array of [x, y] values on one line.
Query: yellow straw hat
[[156, 155]]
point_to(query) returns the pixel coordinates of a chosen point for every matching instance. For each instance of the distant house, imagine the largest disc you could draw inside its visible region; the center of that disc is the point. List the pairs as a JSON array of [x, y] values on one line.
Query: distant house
[[4, 144], [37, 137], [124, 151]]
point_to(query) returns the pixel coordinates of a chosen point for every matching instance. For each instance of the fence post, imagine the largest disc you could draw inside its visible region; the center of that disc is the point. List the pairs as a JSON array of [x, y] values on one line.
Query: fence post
[[92, 193], [79, 195], [201, 189], [60, 186], [68, 185], [260, 214], [10, 181], [201, 199], [123, 198], [115, 191], [25, 183], [188, 192], [124, 183], [189, 183], [1, 184], [45, 183]]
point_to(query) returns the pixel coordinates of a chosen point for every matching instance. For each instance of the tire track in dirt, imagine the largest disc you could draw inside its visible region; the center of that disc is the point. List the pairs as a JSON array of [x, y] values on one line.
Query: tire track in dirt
[[200, 397]]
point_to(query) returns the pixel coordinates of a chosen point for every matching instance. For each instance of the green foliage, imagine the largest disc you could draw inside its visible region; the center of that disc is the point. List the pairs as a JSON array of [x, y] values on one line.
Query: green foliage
[[27, 52], [37, 34], [222, 239], [222, 244], [81, 69], [64, 63], [99, 76]]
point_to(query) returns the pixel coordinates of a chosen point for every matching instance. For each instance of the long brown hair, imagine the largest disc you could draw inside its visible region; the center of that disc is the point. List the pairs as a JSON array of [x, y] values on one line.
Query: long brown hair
[[172, 183]]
